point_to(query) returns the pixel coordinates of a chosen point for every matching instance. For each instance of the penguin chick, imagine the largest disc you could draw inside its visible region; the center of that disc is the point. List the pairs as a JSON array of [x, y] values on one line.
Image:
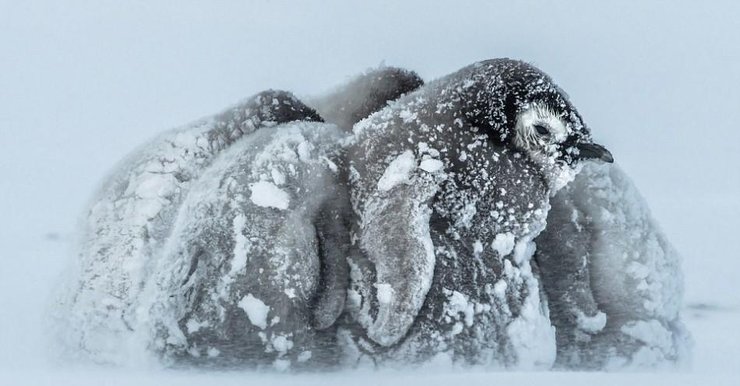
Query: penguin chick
[[612, 278], [450, 185], [364, 95], [132, 214], [244, 272]]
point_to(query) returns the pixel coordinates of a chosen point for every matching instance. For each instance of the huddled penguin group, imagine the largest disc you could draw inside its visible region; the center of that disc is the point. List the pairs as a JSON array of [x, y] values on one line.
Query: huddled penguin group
[[388, 222]]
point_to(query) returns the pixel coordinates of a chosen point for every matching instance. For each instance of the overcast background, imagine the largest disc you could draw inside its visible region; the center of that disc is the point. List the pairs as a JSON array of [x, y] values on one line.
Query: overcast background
[[82, 83]]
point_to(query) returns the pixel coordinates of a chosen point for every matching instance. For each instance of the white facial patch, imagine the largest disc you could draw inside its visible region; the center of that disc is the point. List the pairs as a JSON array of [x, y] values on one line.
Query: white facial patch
[[543, 148], [527, 136]]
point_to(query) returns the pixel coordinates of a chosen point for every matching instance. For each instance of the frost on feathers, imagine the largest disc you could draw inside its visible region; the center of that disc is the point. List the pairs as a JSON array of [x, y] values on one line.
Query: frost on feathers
[[267, 194], [398, 171], [256, 310]]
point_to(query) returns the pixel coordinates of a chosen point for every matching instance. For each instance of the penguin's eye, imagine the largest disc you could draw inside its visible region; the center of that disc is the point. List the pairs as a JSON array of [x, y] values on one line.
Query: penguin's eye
[[541, 129]]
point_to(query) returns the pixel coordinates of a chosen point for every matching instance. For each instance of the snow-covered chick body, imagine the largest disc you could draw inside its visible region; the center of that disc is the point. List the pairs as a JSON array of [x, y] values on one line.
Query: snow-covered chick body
[[450, 185], [613, 280], [132, 215], [243, 280]]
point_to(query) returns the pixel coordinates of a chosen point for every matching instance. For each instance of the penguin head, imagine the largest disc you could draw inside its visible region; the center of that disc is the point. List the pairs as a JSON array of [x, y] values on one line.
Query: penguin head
[[525, 112], [541, 121], [553, 132]]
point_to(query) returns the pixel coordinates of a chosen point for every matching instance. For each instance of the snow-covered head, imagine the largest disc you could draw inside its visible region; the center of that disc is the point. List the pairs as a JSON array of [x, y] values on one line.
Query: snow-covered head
[[520, 108]]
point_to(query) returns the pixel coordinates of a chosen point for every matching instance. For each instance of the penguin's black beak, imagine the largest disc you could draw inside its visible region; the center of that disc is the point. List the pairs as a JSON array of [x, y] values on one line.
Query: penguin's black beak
[[593, 151]]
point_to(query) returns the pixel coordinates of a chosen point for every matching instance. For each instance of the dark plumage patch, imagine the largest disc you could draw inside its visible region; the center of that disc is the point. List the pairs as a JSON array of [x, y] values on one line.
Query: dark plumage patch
[[366, 94], [282, 107]]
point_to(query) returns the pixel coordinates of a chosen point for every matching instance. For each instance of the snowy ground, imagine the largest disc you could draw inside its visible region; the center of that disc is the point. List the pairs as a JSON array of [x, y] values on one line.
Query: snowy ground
[[81, 84]]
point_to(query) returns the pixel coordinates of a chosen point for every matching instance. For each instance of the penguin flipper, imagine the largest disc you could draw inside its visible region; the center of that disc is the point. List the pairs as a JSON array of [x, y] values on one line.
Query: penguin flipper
[[332, 233], [563, 254], [395, 239]]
